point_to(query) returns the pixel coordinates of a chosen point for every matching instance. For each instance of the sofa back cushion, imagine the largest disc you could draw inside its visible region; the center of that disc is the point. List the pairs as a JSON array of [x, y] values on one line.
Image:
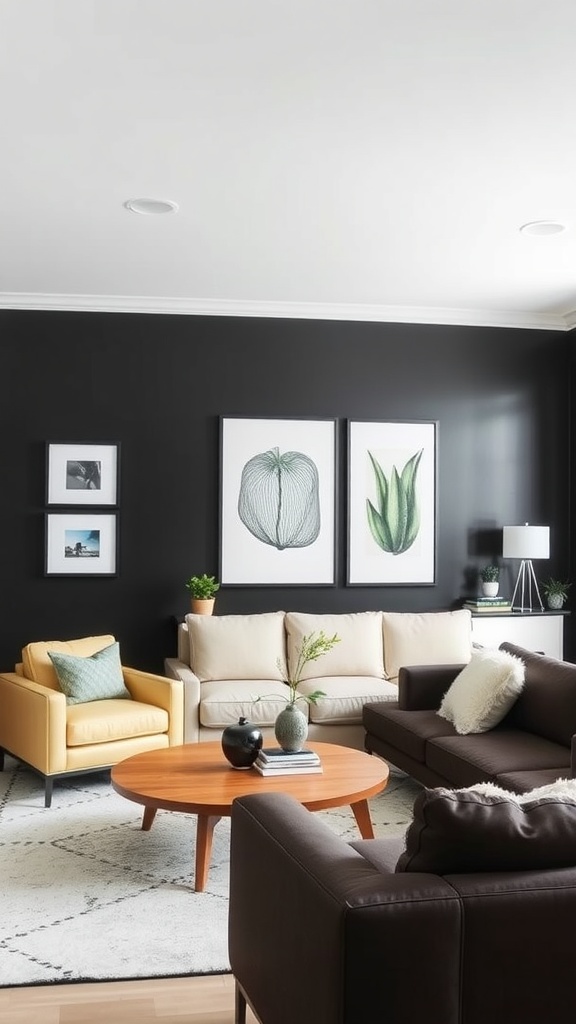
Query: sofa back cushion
[[547, 704], [358, 652], [36, 661], [237, 646], [485, 828], [428, 638]]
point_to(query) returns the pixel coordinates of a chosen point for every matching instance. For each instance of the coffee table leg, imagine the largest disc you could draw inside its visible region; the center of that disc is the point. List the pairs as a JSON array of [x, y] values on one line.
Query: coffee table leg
[[148, 818], [362, 814], [204, 834]]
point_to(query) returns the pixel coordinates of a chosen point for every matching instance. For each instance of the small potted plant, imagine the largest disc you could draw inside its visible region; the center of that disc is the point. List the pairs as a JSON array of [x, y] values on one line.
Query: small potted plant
[[202, 590], [490, 576], [555, 592]]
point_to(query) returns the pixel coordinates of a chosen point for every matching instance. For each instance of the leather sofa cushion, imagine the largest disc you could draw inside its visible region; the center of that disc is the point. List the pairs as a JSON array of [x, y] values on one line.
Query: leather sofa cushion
[[547, 704], [106, 720], [237, 646], [428, 638], [36, 662], [407, 731], [481, 757], [523, 782], [358, 652], [455, 831]]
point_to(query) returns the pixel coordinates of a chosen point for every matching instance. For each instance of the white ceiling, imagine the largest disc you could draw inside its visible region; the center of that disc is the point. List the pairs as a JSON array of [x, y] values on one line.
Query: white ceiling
[[350, 159]]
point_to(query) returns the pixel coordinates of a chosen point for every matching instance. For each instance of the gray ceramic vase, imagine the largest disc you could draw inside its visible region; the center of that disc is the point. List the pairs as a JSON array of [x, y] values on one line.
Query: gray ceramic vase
[[291, 728]]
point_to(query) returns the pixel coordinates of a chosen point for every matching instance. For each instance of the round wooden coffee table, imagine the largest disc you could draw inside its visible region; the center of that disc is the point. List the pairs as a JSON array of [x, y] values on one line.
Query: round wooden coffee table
[[196, 779]]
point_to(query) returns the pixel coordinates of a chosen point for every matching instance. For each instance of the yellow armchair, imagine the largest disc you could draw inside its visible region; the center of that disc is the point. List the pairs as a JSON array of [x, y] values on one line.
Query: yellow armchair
[[56, 738]]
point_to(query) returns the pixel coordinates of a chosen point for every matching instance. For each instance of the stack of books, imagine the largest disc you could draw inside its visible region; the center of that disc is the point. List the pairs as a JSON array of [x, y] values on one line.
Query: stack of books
[[489, 604], [275, 761]]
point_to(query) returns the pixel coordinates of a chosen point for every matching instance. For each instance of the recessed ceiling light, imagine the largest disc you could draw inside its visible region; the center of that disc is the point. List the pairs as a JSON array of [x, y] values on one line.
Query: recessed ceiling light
[[151, 206], [543, 227]]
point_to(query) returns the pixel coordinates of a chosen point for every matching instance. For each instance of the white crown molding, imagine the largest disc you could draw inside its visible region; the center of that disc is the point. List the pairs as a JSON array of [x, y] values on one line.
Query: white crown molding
[[289, 310], [570, 319]]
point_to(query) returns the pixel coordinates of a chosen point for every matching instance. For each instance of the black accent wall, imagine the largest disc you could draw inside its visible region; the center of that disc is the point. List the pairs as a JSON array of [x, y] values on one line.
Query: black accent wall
[[158, 385]]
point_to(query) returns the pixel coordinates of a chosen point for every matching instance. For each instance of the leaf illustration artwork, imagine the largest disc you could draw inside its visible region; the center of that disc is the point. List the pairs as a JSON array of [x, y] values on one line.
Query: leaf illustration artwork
[[279, 499], [394, 525]]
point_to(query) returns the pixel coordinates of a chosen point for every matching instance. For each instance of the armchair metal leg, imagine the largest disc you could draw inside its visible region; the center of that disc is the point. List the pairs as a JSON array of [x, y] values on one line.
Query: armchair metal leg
[[239, 1005], [49, 784]]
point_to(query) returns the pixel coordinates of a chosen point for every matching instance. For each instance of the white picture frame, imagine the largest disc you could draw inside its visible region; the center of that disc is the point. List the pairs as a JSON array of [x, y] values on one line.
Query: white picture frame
[[79, 473], [278, 511], [395, 459], [81, 544]]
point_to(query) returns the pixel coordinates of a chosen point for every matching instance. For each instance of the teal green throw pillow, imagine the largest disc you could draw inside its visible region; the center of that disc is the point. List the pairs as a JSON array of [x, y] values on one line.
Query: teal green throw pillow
[[98, 677]]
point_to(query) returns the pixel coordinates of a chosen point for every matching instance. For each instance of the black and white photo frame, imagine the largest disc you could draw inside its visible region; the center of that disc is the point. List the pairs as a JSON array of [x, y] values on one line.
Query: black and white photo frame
[[81, 473]]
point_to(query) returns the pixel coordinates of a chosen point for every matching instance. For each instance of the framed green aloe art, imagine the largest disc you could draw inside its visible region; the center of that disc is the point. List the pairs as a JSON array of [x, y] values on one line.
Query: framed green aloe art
[[391, 503], [277, 501]]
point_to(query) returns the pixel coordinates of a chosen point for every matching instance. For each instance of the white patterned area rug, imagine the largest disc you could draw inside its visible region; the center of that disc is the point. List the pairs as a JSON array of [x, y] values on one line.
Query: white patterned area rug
[[86, 895]]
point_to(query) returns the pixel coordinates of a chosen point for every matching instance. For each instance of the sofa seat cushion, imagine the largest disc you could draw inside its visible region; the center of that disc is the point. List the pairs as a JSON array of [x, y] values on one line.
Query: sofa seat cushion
[[408, 731], [523, 782], [237, 646], [224, 701], [467, 830], [116, 719], [428, 638], [482, 757], [358, 651], [345, 697]]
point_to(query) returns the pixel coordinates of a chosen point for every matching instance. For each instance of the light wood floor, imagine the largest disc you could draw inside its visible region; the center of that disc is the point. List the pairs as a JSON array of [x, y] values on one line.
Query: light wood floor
[[205, 1000]]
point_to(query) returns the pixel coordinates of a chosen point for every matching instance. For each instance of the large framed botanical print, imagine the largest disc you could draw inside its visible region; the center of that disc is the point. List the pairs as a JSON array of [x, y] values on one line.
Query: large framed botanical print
[[277, 501], [391, 502]]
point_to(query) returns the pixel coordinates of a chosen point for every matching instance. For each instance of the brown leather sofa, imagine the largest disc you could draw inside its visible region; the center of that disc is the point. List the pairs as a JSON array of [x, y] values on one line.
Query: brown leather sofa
[[327, 932], [534, 744]]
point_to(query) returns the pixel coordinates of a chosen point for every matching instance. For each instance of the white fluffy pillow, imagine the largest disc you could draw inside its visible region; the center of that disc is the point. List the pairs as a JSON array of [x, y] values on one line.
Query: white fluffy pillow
[[562, 789], [483, 692]]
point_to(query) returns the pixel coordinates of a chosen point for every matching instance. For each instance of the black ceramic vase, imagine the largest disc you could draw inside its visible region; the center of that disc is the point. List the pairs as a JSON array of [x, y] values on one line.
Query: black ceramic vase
[[241, 743]]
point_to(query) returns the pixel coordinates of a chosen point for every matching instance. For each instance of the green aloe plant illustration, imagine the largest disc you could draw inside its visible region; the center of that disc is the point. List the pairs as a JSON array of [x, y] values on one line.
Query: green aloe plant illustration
[[395, 523]]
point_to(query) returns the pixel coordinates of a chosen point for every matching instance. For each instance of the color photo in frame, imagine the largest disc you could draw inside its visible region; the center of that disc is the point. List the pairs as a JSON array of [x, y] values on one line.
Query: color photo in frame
[[81, 544]]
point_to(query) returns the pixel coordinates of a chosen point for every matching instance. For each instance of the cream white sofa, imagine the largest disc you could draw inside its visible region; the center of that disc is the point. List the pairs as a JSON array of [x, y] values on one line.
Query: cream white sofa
[[227, 661]]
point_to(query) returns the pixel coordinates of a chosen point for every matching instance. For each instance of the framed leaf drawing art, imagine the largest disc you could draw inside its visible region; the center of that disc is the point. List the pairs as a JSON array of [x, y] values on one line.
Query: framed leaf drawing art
[[277, 502], [391, 503]]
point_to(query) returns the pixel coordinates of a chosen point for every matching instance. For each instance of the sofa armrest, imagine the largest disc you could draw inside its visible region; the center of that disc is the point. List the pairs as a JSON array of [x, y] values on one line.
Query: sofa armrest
[[421, 687], [33, 722], [330, 936], [161, 692], [177, 669]]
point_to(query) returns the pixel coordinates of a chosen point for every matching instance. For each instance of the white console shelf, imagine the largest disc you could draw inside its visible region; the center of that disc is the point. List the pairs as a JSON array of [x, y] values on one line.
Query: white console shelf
[[536, 631]]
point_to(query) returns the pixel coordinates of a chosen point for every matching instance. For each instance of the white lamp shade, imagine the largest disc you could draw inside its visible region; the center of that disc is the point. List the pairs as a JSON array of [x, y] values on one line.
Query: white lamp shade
[[526, 541]]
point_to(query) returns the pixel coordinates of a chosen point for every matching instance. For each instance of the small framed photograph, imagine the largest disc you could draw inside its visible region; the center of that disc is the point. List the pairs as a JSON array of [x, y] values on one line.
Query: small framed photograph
[[81, 544], [82, 474]]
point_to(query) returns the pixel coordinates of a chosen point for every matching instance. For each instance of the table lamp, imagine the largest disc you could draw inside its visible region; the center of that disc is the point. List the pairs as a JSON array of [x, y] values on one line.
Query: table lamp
[[526, 542]]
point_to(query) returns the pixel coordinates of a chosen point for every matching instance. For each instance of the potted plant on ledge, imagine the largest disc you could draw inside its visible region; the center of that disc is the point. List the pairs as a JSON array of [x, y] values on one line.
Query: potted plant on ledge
[[202, 590], [490, 576], [555, 592]]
